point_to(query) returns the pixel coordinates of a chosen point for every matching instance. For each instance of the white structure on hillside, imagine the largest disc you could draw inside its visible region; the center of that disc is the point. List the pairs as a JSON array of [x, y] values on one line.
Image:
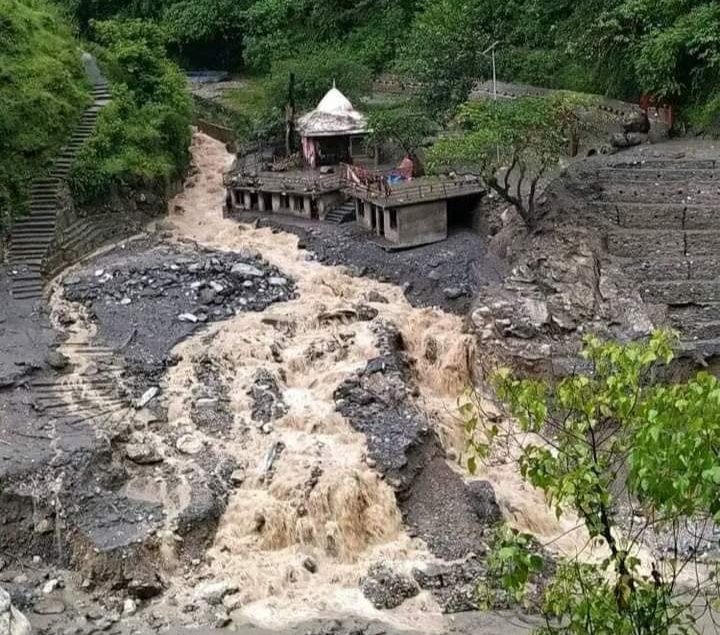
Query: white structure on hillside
[[329, 131]]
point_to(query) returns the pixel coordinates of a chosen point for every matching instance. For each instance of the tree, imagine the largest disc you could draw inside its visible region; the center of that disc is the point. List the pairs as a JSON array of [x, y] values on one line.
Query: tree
[[207, 30], [406, 125], [615, 435], [443, 50], [524, 138]]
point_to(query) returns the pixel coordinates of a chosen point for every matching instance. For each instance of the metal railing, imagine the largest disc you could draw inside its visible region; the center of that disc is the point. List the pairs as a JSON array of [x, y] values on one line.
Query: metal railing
[[374, 185]]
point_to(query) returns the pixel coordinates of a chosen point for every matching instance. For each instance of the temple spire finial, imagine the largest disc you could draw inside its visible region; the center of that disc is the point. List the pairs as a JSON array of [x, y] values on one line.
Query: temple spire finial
[[334, 83]]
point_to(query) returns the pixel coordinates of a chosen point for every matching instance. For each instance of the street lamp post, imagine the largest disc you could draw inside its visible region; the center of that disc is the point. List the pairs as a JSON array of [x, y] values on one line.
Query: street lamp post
[[491, 49]]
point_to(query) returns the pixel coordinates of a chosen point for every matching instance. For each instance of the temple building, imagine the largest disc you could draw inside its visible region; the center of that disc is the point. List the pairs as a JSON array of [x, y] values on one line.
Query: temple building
[[332, 131]]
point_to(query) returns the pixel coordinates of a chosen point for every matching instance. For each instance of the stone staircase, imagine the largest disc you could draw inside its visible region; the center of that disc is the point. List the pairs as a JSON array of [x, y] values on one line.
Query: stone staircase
[[663, 219], [345, 213], [32, 235]]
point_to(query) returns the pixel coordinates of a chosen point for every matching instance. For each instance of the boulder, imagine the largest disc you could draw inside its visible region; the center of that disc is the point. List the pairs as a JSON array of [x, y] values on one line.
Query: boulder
[[484, 503], [637, 122], [57, 361]]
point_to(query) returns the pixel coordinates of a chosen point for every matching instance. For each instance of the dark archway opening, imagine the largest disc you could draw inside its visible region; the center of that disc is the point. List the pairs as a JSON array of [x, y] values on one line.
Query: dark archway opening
[[461, 212]]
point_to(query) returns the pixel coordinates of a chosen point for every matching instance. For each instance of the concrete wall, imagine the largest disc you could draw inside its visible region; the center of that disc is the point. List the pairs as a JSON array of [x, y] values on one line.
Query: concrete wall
[[421, 224], [363, 212]]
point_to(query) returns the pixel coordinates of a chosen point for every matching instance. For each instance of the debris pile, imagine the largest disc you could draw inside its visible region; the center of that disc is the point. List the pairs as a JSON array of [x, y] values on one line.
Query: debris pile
[[206, 289]]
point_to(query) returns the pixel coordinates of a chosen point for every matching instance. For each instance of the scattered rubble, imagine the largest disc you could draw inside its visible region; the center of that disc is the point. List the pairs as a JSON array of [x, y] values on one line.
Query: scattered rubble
[[172, 290], [387, 589]]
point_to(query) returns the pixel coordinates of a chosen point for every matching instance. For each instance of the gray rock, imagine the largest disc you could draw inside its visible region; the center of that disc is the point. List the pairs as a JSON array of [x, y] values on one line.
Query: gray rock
[[207, 295], [276, 281], [188, 317], [56, 360], [482, 496], [376, 297], [619, 140], [147, 397], [12, 621], [387, 589], [310, 564], [49, 607], [214, 592], [143, 453], [636, 138], [453, 293], [242, 270], [637, 122], [189, 444]]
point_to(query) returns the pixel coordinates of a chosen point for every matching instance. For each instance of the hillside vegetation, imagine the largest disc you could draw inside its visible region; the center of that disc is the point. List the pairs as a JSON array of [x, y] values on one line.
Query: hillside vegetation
[[42, 93], [143, 135], [669, 49]]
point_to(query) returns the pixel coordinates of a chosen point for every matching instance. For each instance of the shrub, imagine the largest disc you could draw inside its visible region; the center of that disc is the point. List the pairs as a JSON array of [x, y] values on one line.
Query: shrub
[[144, 134], [42, 93]]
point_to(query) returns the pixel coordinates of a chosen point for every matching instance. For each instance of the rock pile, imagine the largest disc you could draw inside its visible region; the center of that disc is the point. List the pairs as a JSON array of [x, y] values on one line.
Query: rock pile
[[387, 589], [209, 288]]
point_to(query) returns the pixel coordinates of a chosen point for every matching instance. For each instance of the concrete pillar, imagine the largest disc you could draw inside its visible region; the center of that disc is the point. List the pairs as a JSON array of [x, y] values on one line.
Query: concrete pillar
[[275, 202], [261, 201], [247, 200], [307, 206]]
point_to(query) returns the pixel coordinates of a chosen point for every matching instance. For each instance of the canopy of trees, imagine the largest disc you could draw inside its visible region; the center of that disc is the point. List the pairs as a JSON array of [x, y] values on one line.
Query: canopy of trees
[[620, 48]]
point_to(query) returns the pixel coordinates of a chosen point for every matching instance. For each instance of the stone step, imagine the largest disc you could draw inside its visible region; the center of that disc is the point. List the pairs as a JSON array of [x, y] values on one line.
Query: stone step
[[651, 176], [663, 164], [19, 240], [662, 243], [35, 222], [646, 244], [681, 292], [41, 217], [33, 251], [649, 269], [44, 183], [619, 193], [660, 215]]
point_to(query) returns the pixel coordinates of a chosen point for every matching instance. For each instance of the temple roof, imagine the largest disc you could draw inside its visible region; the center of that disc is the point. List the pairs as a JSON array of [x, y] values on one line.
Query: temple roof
[[334, 115]]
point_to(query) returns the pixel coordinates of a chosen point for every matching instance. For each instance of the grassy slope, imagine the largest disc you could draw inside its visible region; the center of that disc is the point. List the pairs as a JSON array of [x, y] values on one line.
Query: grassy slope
[[42, 93]]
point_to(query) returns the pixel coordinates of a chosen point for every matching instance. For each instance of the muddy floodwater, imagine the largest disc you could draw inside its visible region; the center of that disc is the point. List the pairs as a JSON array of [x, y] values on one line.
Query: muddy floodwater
[[279, 446], [351, 519]]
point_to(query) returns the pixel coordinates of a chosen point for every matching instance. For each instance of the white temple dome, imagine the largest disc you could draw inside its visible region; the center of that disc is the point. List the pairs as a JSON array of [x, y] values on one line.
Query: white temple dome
[[333, 116], [335, 103]]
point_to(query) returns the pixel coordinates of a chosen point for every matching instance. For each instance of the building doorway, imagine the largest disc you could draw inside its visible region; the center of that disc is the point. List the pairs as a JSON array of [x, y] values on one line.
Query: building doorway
[[380, 221]]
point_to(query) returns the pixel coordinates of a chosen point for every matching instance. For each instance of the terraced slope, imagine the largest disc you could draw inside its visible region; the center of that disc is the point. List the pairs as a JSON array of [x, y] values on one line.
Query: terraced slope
[[660, 212]]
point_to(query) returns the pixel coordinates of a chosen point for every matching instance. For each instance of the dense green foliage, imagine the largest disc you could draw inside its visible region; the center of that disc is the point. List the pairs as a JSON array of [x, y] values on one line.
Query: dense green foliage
[[592, 442], [621, 48], [42, 92], [525, 137], [144, 134]]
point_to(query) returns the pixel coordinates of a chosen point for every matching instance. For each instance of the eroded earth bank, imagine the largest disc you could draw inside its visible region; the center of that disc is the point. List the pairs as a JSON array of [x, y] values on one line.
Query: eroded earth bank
[[227, 434]]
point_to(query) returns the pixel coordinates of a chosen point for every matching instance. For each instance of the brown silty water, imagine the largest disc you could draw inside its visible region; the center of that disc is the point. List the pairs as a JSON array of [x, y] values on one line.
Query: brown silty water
[[321, 497], [350, 518]]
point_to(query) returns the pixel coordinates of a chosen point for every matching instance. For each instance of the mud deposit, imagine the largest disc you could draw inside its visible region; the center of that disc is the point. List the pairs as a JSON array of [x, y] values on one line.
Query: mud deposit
[[243, 438]]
